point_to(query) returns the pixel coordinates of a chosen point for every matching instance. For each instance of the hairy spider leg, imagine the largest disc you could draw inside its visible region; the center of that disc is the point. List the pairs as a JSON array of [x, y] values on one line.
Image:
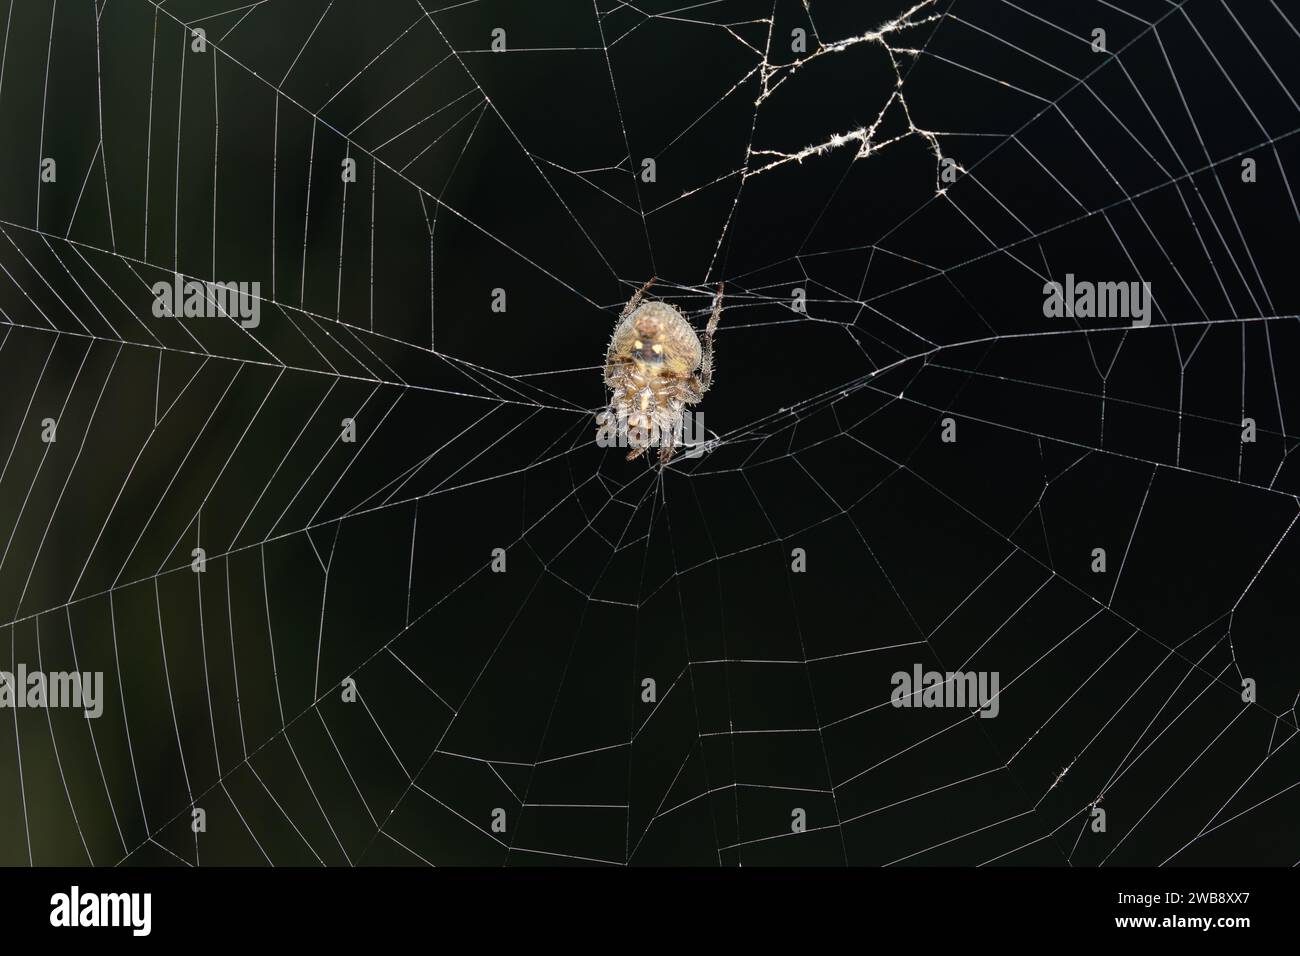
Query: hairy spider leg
[[706, 366], [636, 299]]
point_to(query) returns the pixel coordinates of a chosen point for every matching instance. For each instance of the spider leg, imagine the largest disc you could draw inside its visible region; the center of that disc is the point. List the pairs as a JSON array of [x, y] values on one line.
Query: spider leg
[[636, 299], [667, 446], [706, 366]]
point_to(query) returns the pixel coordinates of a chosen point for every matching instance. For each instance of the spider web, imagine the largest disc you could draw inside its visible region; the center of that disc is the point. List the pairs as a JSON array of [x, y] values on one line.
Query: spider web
[[884, 202]]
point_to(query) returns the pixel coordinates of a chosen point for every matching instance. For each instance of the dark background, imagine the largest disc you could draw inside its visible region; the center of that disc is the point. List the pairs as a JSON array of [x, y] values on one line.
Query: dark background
[[480, 170]]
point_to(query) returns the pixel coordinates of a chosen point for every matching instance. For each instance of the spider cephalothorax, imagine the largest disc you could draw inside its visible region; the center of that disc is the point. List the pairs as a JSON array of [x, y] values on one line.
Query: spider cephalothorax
[[650, 369]]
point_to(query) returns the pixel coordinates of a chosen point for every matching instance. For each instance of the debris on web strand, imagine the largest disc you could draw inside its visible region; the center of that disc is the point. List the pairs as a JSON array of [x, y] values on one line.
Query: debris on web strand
[[773, 76]]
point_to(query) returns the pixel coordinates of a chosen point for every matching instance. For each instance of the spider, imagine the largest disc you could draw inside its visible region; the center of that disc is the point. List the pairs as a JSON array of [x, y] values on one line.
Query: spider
[[650, 369]]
